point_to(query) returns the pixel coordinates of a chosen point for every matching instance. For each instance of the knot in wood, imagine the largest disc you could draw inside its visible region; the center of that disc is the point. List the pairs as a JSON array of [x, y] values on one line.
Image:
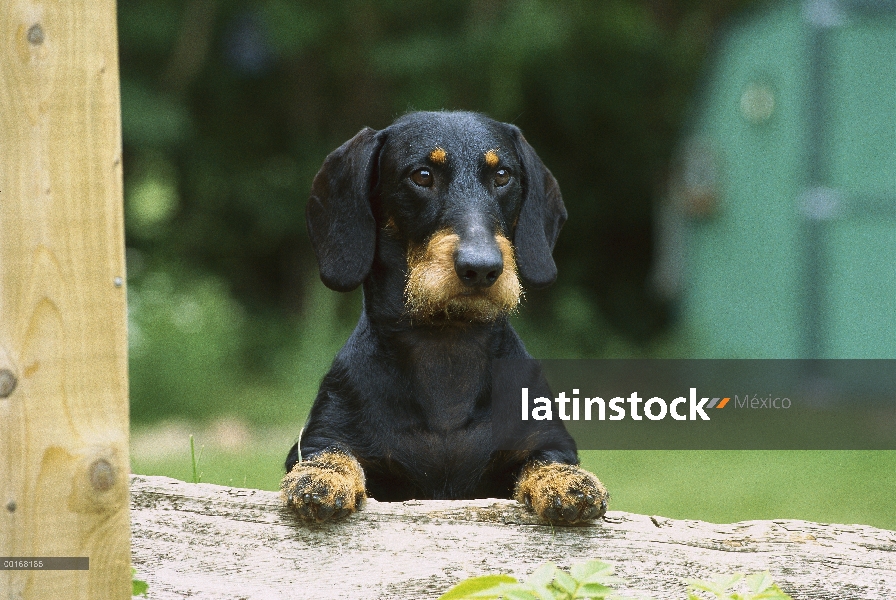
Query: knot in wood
[[8, 383], [102, 475], [36, 35]]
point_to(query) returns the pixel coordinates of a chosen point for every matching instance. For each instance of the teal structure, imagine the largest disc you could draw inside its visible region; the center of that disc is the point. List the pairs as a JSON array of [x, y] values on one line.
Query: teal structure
[[780, 229]]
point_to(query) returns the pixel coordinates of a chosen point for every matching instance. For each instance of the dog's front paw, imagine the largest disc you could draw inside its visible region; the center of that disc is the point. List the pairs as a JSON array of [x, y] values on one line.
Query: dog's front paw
[[330, 486], [560, 493]]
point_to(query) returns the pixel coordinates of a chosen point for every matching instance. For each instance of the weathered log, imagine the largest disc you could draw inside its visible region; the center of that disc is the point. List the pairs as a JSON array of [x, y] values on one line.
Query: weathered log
[[209, 541]]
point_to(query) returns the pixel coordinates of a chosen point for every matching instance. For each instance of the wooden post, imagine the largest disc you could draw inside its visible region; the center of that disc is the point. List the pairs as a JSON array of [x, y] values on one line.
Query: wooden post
[[63, 347]]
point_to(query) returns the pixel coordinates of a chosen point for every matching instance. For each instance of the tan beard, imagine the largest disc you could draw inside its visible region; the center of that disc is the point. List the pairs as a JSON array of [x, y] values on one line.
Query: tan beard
[[434, 291]]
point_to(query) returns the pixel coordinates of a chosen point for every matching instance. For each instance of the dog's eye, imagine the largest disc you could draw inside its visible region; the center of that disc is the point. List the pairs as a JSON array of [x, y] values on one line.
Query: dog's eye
[[502, 176], [422, 177]]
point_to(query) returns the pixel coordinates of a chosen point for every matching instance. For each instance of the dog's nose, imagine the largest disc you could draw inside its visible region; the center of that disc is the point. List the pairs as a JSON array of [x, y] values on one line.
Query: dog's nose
[[479, 266]]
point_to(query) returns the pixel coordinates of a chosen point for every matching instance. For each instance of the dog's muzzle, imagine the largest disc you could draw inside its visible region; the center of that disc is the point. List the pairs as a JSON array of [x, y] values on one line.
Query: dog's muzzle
[[476, 282]]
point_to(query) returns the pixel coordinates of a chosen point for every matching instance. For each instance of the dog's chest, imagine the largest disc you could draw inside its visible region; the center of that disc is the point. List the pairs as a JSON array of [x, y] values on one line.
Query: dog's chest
[[450, 380], [433, 464]]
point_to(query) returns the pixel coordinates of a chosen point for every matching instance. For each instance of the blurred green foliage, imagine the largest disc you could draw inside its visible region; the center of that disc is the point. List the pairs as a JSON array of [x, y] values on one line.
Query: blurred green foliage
[[230, 106]]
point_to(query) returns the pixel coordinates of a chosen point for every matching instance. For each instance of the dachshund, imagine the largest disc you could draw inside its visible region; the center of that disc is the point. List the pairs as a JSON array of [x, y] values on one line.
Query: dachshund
[[443, 218]]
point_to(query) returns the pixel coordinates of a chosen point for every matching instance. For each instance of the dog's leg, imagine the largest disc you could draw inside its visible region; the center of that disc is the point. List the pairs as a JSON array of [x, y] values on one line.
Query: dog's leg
[[561, 493], [329, 486]]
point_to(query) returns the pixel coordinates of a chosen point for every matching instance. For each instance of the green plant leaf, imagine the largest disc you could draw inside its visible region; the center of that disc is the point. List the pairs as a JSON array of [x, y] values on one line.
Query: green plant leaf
[[542, 576], [138, 587], [590, 571], [727, 581], [468, 587], [759, 582], [593, 580], [507, 591], [704, 585], [595, 591], [772, 593], [566, 583], [540, 580], [522, 595], [719, 584], [511, 591], [610, 580], [764, 588]]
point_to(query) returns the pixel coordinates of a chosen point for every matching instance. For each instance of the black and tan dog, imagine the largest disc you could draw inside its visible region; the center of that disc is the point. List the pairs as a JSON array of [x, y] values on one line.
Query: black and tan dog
[[443, 217]]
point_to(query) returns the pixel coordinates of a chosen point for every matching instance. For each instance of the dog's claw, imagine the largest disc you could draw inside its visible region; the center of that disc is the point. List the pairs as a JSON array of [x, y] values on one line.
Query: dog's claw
[[570, 513], [324, 512], [590, 513]]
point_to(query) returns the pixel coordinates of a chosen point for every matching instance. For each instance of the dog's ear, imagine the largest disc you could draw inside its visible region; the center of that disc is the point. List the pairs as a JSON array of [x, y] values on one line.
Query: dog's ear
[[541, 216], [339, 217]]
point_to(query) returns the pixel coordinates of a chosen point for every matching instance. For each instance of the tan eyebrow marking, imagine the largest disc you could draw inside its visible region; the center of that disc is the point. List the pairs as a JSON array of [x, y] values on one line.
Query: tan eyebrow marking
[[491, 158], [438, 155]]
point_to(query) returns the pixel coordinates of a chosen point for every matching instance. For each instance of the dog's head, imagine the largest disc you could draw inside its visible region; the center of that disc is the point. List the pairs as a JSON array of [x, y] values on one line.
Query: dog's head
[[474, 207]]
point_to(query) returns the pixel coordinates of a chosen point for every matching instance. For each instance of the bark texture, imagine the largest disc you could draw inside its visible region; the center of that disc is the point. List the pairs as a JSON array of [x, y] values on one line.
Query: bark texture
[[209, 541]]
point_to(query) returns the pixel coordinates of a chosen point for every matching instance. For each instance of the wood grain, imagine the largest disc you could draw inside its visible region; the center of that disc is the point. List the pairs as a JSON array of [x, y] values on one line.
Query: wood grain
[[213, 542], [64, 426]]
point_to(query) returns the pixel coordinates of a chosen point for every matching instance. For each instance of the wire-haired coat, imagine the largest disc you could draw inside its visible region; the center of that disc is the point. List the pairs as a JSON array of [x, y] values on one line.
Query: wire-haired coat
[[443, 217]]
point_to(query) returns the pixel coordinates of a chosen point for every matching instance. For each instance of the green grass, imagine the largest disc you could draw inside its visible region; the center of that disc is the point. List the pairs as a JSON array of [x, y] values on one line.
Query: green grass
[[716, 486], [840, 486], [258, 469], [252, 458]]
